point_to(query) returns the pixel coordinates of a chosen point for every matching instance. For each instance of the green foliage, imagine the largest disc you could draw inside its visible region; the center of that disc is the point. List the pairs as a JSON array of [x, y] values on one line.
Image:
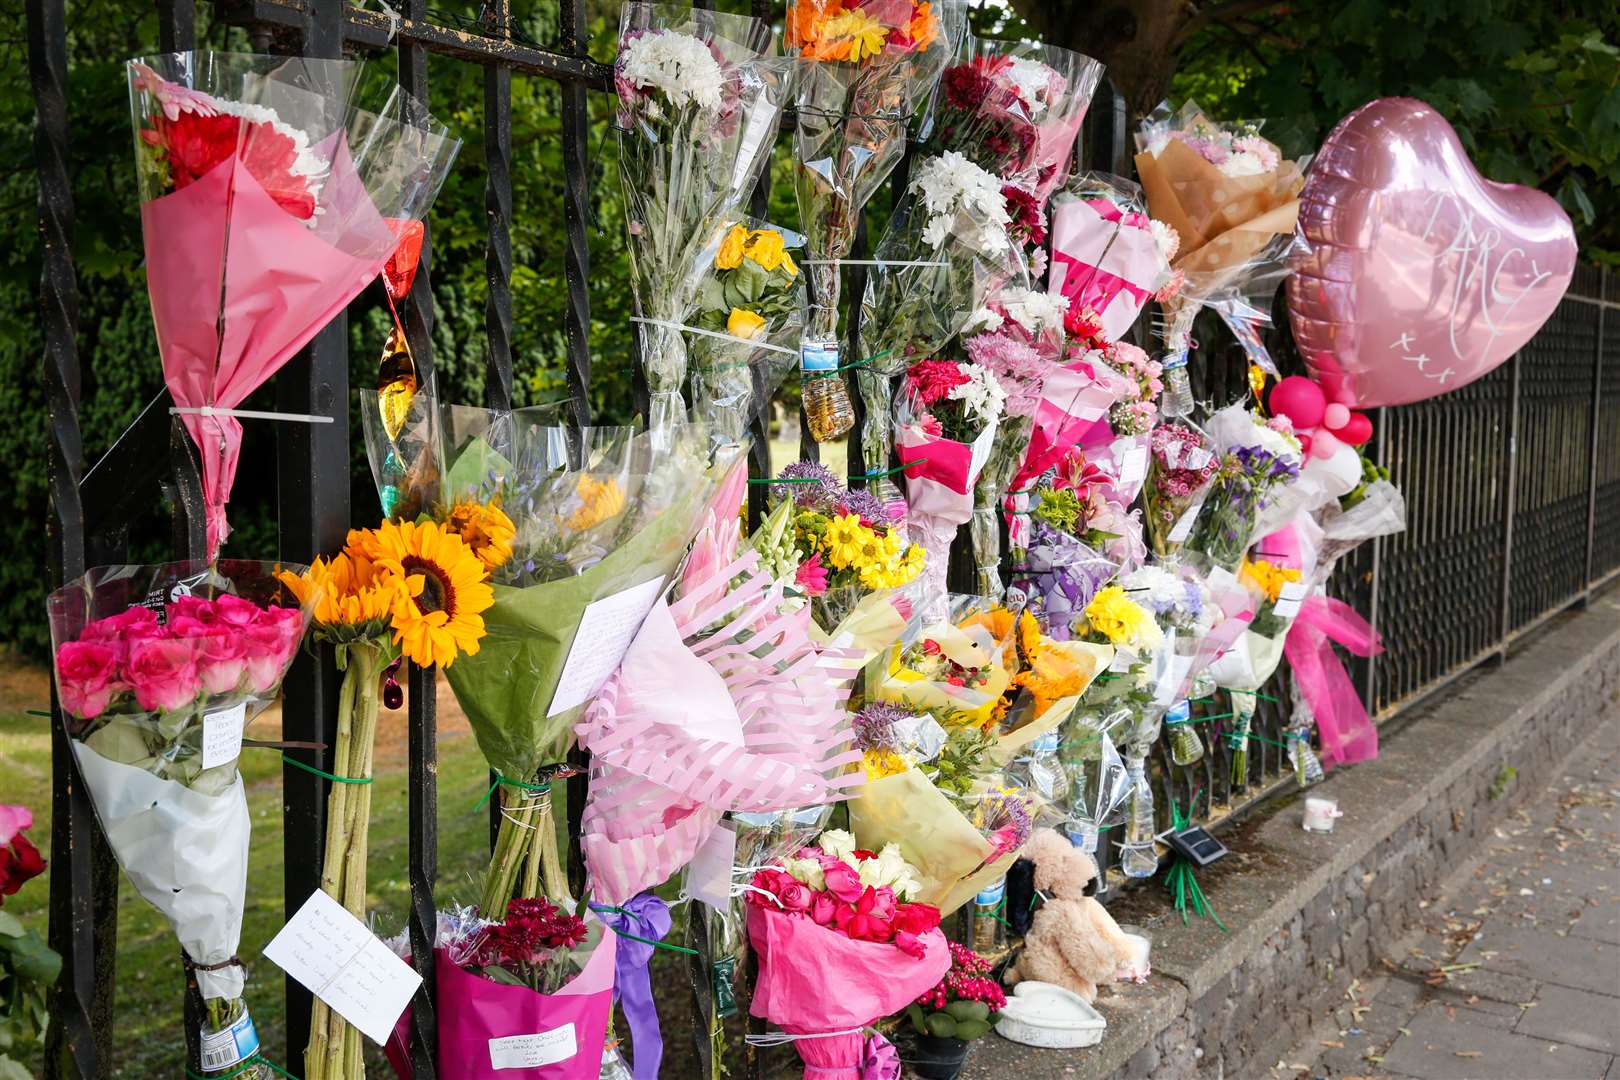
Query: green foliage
[[1533, 89], [27, 969]]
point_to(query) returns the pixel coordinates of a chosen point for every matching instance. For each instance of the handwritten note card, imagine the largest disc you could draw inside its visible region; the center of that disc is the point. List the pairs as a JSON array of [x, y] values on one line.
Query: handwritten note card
[[1133, 465], [605, 632], [533, 1051], [341, 962], [222, 735]]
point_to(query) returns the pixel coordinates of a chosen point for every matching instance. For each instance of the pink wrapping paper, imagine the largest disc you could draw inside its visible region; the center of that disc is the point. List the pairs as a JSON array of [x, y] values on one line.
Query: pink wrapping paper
[[1110, 261], [1075, 400], [684, 732], [472, 1011], [812, 979], [939, 497], [221, 253]]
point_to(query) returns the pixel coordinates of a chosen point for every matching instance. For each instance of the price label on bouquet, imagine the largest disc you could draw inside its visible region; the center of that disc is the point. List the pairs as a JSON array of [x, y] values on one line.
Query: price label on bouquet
[[605, 632], [340, 961], [222, 735], [219, 1050], [1289, 597]]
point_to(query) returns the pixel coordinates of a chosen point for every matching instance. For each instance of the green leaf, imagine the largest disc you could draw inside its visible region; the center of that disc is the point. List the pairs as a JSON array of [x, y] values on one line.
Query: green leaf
[[941, 1026], [919, 1023], [972, 1029], [968, 1010]]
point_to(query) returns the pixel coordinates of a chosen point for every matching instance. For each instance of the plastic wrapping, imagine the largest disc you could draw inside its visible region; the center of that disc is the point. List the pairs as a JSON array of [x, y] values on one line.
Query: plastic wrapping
[[700, 98], [750, 302], [1181, 467], [1056, 574], [1257, 459], [158, 669], [952, 665], [854, 104], [602, 521], [1014, 108], [405, 466], [268, 201], [1233, 201]]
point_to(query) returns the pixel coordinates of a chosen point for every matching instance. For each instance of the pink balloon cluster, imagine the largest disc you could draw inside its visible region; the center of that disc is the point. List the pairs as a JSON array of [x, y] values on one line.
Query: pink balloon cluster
[[1322, 425]]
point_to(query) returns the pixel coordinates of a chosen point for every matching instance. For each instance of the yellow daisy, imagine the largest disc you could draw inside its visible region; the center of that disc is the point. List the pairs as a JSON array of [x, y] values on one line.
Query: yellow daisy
[[842, 541], [485, 529]]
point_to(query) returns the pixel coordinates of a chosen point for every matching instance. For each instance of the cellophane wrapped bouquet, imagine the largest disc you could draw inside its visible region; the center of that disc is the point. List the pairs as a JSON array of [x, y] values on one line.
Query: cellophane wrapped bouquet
[[602, 517], [269, 200], [948, 418], [1182, 463], [1109, 258], [1071, 547], [1256, 458], [750, 305], [845, 554], [945, 250], [1232, 199], [1015, 109], [700, 98], [530, 991], [864, 67], [158, 669], [841, 941]]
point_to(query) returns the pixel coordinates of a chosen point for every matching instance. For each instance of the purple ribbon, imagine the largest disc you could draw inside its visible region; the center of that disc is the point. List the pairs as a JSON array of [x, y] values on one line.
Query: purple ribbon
[[644, 916]]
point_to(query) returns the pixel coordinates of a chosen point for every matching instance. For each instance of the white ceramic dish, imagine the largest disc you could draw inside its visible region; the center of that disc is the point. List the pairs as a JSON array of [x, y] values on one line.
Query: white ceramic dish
[[1048, 1016]]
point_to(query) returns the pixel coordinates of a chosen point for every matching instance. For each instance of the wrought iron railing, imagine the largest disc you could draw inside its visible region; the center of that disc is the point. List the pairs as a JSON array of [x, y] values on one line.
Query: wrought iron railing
[[1513, 483]]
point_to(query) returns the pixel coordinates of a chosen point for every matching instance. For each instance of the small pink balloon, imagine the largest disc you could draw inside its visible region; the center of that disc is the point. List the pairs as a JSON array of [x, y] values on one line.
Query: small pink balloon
[[1335, 416], [1299, 399], [1421, 276], [1356, 430], [1304, 438], [1324, 444]]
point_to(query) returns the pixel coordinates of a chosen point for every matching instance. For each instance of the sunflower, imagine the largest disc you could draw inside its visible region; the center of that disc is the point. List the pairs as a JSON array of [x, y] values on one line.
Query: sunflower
[[599, 501], [436, 618], [485, 529], [351, 599]]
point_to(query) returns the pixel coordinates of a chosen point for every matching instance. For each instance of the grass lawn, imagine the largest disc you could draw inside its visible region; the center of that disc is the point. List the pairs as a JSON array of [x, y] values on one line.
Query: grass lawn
[[150, 1039]]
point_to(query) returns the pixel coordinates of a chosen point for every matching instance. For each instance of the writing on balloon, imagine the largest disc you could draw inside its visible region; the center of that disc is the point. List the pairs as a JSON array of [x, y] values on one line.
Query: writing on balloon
[[1485, 267]]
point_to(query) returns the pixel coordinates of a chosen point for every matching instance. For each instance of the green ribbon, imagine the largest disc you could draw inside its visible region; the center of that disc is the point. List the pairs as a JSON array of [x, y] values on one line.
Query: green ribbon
[[507, 781], [993, 913], [644, 941], [295, 763]]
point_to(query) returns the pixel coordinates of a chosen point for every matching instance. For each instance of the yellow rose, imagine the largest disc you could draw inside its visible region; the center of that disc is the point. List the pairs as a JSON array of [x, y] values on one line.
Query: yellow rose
[[766, 247], [744, 324], [730, 255]]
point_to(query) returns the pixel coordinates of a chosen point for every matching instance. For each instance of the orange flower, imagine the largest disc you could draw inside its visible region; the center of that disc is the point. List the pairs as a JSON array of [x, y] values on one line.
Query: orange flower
[[924, 27], [805, 17]]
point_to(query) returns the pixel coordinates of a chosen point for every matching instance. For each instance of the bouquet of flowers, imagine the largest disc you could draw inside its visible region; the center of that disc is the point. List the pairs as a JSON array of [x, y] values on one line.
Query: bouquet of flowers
[[945, 250], [964, 1005], [844, 554], [699, 103], [750, 301], [1232, 199], [947, 426], [841, 941], [405, 590], [602, 518], [1256, 458], [951, 665], [531, 991], [864, 67], [1058, 566], [1181, 467], [1109, 258], [158, 669], [268, 201]]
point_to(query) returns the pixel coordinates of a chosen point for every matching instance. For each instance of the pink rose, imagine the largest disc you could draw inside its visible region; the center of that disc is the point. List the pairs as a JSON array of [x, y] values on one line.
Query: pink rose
[[86, 677], [842, 880], [910, 944], [795, 896], [824, 909], [268, 647], [163, 672], [290, 621], [127, 623], [235, 611], [186, 626], [883, 903], [221, 659], [190, 607]]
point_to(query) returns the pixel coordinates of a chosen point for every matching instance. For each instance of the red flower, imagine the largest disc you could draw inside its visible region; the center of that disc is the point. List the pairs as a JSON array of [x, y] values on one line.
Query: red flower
[[863, 922], [1027, 219], [966, 86], [193, 144], [916, 918], [842, 880], [18, 863], [933, 380]]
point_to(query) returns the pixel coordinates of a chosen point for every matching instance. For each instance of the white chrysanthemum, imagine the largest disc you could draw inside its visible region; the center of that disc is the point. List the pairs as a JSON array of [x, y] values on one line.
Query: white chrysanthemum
[[1243, 163], [1279, 443], [1034, 310], [678, 65], [985, 320], [1032, 81], [838, 843], [982, 395], [961, 200]]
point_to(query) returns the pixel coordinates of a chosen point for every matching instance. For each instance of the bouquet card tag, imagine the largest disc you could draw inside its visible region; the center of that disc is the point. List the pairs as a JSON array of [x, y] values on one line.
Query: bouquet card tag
[[533, 1051], [1289, 597], [1222, 580], [340, 961], [1133, 465], [708, 876], [222, 735], [1184, 524], [604, 635], [1122, 661]]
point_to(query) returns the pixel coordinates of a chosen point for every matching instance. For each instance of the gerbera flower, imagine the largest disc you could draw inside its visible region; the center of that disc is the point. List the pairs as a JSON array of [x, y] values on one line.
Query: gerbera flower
[[439, 617], [599, 500], [843, 541]]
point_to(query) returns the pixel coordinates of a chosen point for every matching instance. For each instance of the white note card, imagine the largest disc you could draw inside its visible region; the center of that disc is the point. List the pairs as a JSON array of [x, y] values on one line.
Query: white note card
[[605, 632], [1184, 525], [708, 875], [1133, 465], [532, 1051], [1289, 597], [1221, 579], [222, 735], [340, 961]]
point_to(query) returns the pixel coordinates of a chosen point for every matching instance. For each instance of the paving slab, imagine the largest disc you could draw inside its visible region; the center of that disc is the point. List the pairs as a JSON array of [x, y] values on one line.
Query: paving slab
[[1458, 1047], [1530, 953], [1599, 923], [1574, 1016]]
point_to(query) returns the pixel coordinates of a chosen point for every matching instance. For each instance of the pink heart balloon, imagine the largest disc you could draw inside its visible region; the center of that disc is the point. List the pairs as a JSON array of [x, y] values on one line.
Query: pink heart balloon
[[1421, 276]]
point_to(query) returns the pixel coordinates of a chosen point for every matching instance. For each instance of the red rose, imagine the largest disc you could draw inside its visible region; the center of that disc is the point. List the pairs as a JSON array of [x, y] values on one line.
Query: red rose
[[863, 922], [18, 863], [916, 918]]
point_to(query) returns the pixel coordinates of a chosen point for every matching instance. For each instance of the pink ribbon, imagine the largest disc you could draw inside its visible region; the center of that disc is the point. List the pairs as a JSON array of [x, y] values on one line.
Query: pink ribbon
[[1347, 732]]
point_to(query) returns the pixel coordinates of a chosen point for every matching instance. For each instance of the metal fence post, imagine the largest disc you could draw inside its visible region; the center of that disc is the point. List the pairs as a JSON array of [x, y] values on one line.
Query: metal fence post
[[1510, 469], [1597, 417]]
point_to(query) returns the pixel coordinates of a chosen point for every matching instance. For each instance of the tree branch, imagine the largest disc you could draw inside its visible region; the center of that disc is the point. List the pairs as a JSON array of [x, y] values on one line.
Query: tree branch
[[1224, 12]]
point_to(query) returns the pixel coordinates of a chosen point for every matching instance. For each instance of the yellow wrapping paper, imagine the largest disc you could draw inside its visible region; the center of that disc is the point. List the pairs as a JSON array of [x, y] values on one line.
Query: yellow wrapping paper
[[961, 704]]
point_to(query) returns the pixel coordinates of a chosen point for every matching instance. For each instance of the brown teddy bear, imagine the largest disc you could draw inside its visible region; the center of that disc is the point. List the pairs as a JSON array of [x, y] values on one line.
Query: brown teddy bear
[[1073, 942]]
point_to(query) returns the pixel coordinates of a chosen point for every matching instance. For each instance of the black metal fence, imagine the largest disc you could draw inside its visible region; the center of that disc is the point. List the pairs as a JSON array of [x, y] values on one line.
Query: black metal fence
[[1513, 483]]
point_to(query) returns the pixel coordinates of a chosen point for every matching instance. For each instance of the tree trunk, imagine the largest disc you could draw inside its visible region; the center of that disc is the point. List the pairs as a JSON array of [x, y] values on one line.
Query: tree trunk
[[1138, 40]]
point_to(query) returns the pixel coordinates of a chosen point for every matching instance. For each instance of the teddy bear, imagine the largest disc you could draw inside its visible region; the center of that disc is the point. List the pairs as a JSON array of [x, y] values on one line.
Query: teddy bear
[[1073, 942]]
